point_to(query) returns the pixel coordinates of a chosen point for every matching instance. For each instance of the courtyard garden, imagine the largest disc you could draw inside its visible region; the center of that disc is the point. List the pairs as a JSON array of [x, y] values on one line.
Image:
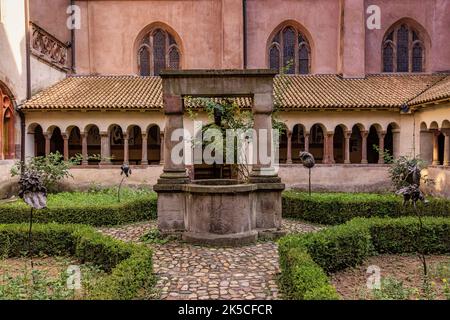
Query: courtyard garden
[[331, 240], [107, 243]]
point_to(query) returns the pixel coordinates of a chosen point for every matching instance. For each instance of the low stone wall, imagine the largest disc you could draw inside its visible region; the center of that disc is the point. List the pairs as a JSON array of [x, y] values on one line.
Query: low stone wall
[[8, 185], [441, 178], [337, 177], [88, 177]]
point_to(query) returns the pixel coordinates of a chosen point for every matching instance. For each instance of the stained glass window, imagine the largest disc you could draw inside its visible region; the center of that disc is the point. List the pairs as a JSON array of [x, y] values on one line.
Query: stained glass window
[[289, 49], [417, 58], [388, 59], [159, 50], [274, 57], [403, 50]]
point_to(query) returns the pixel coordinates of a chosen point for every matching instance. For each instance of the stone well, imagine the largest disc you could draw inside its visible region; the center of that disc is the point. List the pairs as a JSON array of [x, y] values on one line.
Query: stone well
[[225, 212], [219, 212]]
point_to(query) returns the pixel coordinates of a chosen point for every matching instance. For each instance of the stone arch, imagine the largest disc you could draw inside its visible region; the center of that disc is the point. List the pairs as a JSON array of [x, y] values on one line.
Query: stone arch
[[372, 141], [339, 141], [116, 143], [38, 139], [445, 124], [134, 136], [56, 139], [93, 143], [298, 141], [434, 125], [74, 141], [317, 139], [154, 144], [356, 144], [392, 139]]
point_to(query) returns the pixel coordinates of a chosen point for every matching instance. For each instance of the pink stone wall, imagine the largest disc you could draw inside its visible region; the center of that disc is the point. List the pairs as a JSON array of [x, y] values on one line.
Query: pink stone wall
[[211, 31], [319, 18], [51, 15], [432, 15]]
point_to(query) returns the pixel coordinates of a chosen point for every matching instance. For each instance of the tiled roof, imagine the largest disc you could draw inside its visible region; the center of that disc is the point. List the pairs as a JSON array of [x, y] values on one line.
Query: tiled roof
[[292, 92], [440, 91], [100, 92], [332, 91]]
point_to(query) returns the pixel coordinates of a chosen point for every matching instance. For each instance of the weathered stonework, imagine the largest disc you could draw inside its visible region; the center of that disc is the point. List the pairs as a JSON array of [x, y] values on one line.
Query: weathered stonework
[[219, 212]]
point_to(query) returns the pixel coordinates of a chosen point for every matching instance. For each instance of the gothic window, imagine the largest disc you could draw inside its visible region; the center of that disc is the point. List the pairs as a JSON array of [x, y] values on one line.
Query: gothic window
[[158, 50], [289, 49], [6, 127], [403, 50]]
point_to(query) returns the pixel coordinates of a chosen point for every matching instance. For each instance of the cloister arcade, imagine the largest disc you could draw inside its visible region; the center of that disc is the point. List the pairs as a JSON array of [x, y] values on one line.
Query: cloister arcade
[[115, 146], [119, 144], [435, 142]]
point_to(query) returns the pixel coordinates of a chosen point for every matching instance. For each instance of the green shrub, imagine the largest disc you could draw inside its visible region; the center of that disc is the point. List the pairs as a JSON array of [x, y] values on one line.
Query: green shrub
[[96, 209], [348, 245], [129, 265], [337, 208]]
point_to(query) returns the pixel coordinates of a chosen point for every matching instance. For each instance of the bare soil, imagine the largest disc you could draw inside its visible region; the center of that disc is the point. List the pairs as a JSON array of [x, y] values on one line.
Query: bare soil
[[351, 283]]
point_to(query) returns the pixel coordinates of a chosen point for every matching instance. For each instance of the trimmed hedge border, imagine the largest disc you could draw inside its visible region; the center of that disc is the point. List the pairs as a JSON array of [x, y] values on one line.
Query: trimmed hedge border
[[129, 266], [128, 211], [305, 260], [321, 208], [338, 208]]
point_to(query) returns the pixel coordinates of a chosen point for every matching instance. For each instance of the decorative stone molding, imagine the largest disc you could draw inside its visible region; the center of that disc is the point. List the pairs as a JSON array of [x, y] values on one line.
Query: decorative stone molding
[[48, 48]]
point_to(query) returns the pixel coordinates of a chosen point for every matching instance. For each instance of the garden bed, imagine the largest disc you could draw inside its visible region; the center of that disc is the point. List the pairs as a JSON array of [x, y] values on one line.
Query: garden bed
[[401, 278], [307, 260], [127, 267], [100, 208]]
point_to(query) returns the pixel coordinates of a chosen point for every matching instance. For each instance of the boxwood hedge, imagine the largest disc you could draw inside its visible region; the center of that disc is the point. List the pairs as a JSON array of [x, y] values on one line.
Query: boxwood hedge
[[305, 260], [337, 208], [96, 209], [129, 266]]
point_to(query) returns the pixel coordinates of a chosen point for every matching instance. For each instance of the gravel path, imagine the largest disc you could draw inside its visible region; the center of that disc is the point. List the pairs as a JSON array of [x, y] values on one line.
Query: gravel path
[[186, 271]]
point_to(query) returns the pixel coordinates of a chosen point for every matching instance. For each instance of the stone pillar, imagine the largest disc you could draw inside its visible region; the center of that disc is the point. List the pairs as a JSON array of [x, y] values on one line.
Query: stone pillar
[[289, 147], [364, 135], [84, 149], [347, 136], [436, 148], [330, 147], [65, 137], [263, 170], [171, 197], [396, 143], [162, 148], [306, 135], [144, 160], [381, 136], [48, 137], [174, 172], [446, 147], [126, 148], [105, 148]]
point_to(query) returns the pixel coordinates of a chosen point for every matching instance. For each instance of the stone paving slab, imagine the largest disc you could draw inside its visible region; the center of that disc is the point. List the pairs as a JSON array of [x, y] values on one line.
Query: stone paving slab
[[188, 272]]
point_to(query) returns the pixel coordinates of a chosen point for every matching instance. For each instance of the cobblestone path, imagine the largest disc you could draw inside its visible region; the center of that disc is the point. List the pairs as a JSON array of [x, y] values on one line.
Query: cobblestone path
[[186, 271]]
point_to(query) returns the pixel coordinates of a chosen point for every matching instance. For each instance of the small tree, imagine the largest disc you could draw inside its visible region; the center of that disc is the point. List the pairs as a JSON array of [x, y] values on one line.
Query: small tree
[[406, 177]]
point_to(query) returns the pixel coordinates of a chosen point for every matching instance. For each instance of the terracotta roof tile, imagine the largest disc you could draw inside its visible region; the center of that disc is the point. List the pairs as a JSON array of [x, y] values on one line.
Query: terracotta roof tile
[[291, 92], [440, 91]]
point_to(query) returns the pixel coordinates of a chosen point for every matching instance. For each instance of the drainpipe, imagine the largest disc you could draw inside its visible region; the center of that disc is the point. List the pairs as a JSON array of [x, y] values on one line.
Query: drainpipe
[[244, 13], [72, 39], [28, 70]]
